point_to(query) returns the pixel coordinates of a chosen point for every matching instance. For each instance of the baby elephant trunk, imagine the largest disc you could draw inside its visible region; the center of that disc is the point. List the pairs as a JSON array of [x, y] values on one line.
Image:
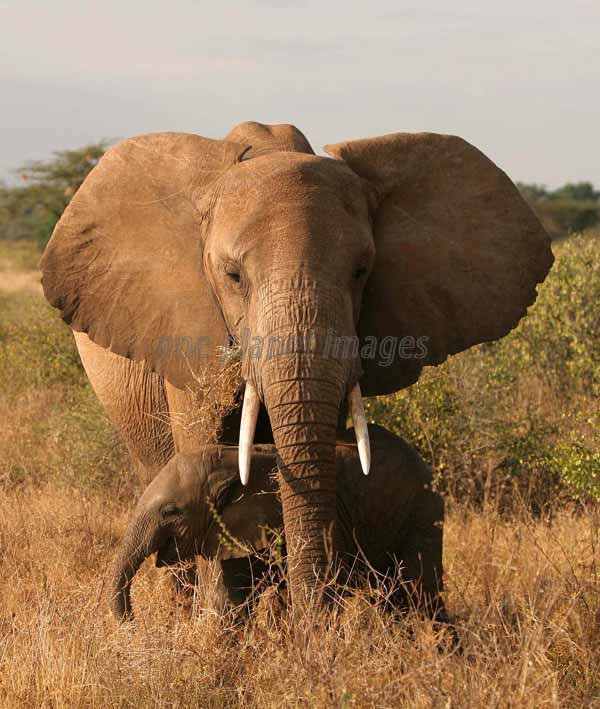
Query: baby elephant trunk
[[137, 545]]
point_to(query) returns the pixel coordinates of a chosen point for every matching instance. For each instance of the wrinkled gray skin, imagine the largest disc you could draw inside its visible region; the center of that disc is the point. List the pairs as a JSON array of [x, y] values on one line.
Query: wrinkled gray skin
[[390, 516]]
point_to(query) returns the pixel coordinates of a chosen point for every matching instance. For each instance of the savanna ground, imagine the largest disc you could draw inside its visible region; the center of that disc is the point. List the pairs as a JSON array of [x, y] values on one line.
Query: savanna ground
[[513, 433]]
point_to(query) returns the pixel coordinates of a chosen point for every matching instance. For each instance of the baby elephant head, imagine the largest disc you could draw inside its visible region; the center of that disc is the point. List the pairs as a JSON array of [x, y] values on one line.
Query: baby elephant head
[[188, 505]]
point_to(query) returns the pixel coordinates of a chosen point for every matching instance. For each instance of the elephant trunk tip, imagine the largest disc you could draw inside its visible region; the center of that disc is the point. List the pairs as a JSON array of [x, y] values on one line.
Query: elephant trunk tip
[[120, 602], [131, 556]]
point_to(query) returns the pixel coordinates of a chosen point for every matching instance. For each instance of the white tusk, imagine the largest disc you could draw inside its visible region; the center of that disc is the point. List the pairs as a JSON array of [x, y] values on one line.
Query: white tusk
[[357, 411], [250, 409]]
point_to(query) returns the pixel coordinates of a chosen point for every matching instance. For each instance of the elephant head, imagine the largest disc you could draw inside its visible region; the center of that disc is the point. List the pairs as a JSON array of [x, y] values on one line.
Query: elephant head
[[186, 509], [176, 245]]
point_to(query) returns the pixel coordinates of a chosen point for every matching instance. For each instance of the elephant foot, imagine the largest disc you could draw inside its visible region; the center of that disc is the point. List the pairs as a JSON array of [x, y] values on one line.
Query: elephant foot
[[271, 607], [449, 637]]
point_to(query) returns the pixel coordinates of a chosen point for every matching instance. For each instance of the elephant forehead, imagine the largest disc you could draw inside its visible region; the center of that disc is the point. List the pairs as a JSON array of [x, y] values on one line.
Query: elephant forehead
[[291, 175], [179, 481]]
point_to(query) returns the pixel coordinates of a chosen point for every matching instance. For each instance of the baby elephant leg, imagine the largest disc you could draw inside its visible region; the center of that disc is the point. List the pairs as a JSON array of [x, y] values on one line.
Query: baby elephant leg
[[184, 578], [239, 580], [242, 580], [420, 557]]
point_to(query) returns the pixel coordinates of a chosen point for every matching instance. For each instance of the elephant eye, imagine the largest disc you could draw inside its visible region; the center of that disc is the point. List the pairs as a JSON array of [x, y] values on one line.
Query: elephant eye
[[232, 272], [169, 510], [359, 273]]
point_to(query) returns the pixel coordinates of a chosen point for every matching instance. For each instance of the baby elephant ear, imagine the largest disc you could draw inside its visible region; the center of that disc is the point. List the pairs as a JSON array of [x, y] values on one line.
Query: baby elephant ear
[[459, 252], [245, 525], [125, 261]]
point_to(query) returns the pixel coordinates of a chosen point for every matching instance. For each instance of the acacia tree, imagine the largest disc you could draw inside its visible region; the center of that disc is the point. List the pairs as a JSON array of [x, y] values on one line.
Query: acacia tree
[[31, 209]]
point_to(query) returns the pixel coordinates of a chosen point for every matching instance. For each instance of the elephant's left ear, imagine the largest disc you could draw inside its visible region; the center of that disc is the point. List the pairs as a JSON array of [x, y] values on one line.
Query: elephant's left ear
[[459, 252]]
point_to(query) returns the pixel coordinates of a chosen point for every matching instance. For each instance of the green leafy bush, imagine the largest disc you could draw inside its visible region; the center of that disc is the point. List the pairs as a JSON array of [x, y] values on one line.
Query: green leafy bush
[[52, 426], [578, 464], [36, 348]]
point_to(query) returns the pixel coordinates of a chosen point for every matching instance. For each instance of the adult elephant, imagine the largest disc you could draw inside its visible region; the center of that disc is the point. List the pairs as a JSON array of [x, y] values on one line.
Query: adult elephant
[[177, 245]]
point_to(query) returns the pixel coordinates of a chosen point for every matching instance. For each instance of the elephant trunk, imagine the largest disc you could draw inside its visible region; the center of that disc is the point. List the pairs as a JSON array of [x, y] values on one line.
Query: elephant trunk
[[135, 548], [304, 417], [303, 387]]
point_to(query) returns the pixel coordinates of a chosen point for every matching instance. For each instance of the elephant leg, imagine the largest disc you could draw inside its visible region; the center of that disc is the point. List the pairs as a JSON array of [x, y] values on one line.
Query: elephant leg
[[184, 579], [420, 558], [136, 403], [188, 435], [238, 588], [243, 580]]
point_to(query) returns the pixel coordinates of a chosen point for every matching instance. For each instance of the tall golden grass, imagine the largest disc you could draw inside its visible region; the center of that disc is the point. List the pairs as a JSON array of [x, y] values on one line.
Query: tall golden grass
[[524, 593]]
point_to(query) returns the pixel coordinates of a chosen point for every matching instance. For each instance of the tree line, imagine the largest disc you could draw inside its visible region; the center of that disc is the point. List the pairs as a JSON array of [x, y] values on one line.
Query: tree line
[[570, 209]]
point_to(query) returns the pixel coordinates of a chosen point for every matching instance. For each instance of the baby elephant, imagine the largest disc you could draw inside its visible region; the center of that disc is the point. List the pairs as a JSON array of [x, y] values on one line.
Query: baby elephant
[[197, 505]]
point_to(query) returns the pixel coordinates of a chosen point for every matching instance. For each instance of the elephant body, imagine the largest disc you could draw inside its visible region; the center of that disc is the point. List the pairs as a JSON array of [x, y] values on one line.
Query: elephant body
[[389, 520], [327, 277]]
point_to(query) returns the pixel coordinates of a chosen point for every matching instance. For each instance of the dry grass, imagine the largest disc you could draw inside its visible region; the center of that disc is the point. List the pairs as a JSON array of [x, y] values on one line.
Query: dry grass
[[525, 595], [210, 397], [18, 267], [23, 280]]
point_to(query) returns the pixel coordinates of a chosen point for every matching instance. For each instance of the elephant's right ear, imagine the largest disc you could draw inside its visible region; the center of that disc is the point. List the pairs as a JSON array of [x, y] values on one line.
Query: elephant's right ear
[[125, 263]]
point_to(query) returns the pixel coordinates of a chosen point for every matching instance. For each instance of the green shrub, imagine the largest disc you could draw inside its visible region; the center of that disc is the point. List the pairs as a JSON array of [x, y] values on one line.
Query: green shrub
[[36, 348], [576, 458], [52, 427]]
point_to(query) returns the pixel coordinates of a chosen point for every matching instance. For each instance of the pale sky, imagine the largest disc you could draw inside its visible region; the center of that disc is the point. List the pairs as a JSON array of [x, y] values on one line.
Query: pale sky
[[520, 79]]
